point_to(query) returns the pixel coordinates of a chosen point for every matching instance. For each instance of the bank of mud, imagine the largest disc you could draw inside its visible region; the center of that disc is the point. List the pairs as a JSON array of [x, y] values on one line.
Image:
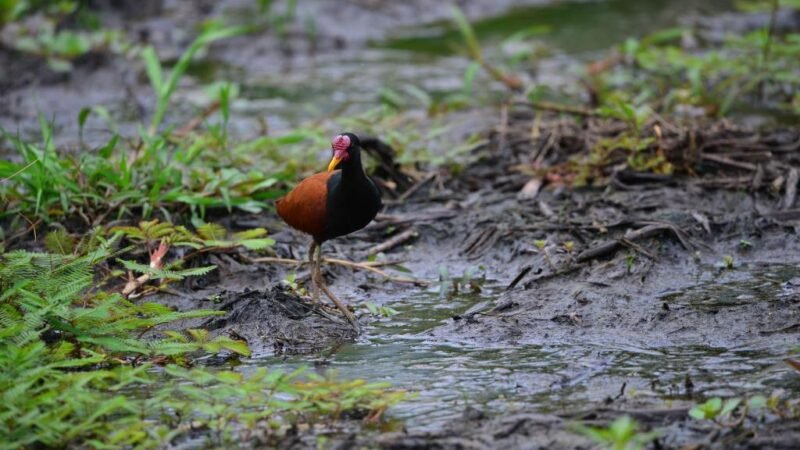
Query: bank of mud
[[637, 294], [554, 289]]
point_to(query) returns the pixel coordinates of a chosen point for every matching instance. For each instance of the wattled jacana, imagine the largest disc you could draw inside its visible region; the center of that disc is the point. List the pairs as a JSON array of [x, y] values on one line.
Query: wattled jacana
[[331, 204]]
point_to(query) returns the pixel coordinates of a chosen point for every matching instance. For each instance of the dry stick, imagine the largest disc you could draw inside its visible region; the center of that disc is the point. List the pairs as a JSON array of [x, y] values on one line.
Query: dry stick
[[31, 227], [525, 270], [609, 246], [728, 162], [277, 260], [783, 216], [393, 242], [683, 238], [368, 266], [408, 193], [134, 283], [565, 271], [638, 248], [346, 263], [156, 262]]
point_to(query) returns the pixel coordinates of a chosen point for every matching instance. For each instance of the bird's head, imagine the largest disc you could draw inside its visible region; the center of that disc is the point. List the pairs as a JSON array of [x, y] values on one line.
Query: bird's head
[[344, 146]]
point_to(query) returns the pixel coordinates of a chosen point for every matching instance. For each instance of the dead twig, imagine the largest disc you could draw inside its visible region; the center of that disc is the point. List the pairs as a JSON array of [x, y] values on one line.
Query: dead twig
[[393, 242], [375, 270], [525, 270], [728, 162], [645, 232], [555, 274], [416, 187], [638, 248], [367, 266]]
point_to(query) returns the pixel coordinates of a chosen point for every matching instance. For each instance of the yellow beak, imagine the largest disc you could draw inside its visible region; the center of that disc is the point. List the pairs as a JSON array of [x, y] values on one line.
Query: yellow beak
[[334, 162]]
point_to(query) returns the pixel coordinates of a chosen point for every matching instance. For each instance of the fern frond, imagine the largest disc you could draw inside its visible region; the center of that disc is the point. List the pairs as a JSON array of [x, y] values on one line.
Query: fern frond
[[164, 273]]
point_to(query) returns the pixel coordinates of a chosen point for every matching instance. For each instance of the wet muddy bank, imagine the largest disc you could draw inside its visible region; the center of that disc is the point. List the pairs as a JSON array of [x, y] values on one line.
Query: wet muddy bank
[[554, 289], [642, 296]]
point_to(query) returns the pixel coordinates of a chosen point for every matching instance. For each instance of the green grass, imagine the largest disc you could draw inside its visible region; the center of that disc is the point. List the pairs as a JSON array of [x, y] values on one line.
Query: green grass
[[75, 369], [757, 68], [80, 361], [58, 32]]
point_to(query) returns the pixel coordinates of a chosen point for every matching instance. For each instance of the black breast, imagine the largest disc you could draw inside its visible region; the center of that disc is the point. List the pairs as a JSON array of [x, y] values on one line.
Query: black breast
[[351, 204]]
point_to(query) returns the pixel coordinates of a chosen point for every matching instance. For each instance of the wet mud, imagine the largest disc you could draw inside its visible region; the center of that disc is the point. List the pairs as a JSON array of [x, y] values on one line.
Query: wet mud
[[642, 295]]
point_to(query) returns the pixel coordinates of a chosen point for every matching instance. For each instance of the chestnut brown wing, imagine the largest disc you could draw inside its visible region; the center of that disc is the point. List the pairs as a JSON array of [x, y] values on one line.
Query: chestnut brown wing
[[305, 207]]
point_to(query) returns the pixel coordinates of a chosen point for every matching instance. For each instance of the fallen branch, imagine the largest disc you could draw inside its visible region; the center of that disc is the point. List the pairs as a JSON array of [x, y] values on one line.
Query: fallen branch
[[393, 242], [729, 162], [610, 246], [367, 266], [419, 185]]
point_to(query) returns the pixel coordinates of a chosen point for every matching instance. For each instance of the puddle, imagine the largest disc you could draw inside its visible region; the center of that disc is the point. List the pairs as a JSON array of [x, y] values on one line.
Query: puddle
[[573, 26], [447, 375], [429, 57]]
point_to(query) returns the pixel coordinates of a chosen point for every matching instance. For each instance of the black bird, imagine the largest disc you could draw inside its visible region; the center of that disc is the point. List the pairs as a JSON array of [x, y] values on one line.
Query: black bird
[[331, 204]]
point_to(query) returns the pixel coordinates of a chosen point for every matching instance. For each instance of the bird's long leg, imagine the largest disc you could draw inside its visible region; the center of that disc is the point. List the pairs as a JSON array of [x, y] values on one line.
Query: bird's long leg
[[319, 281], [313, 265]]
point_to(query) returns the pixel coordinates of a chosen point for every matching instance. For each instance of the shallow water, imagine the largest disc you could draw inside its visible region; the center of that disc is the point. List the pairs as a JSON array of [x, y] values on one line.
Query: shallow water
[[571, 26], [431, 57], [448, 375]]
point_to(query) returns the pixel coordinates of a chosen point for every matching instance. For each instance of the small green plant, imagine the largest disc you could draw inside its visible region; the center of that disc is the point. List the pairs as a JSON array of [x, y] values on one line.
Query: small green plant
[[715, 408], [634, 117], [727, 262], [207, 237], [630, 259], [380, 311], [622, 434], [59, 31], [291, 283], [472, 280], [165, 87], [743, 71]]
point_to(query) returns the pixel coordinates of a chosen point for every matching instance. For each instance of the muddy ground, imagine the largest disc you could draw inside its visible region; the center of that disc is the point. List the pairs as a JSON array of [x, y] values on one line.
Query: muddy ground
[[642, 314]]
